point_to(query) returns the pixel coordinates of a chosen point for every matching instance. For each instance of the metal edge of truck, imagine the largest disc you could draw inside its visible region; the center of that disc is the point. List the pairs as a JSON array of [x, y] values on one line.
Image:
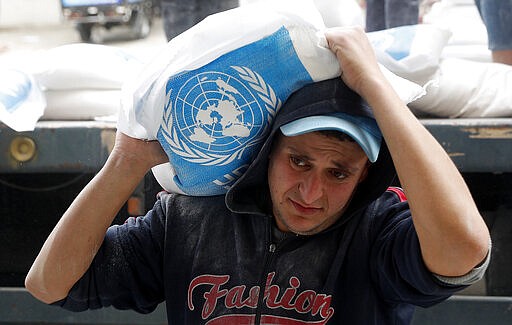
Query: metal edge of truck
[[471, 143], [475, 145]]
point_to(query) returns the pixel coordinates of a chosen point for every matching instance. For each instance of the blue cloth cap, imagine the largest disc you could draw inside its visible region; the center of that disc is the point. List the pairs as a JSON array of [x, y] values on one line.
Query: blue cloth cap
[[363, 130]]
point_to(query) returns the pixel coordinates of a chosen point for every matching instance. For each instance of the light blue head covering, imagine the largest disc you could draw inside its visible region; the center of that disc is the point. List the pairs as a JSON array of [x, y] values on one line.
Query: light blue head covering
[[363, 130]]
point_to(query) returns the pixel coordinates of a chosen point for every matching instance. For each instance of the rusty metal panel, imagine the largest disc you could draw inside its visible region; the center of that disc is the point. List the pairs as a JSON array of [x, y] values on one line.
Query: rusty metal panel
[[56, 146], [475, 145]]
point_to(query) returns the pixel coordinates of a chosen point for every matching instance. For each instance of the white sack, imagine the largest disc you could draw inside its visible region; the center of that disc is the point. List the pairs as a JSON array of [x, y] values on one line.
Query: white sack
[[340, 13], [81, 104], [462, 18], [463, 88], [85, 66], [21, 100], [412, 52], [211, 95], [473, 52]]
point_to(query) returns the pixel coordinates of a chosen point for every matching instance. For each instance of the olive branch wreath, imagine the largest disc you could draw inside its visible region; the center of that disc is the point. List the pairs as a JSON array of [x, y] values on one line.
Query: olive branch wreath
[[179, 147]]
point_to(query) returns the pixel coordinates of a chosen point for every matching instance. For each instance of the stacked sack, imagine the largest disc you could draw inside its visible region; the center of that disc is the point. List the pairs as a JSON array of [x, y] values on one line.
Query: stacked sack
[[210, 97], [469, 34], [456, 87], [22, 102], [83, 81], [467, 83]]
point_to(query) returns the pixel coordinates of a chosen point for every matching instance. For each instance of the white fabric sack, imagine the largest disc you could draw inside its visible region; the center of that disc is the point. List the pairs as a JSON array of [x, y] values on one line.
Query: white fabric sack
[[22, 102], [340, 13], [473, 52], [462, 18], [412, 52], [210, 97], [85, 66], [464, 88], [81, 104]]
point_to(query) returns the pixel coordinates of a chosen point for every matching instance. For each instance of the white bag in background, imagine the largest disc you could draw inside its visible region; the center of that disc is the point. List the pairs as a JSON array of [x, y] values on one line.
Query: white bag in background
[[412, 52], [464, 88], [84, 66], [82, 81], [81, 104], [211, 96], [473, 52], [469, 34], [337, 13], [21, 100]]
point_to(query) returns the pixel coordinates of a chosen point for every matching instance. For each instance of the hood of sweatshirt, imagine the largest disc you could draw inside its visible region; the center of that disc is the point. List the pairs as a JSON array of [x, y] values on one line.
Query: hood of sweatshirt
[[250, 194]]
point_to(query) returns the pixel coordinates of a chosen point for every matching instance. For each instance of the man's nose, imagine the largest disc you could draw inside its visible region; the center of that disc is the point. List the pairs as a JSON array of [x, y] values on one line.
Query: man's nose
[[311, 188]]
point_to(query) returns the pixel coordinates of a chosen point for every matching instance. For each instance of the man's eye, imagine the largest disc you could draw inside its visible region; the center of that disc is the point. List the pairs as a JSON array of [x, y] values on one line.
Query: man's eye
[[297, 161], [338, 174]]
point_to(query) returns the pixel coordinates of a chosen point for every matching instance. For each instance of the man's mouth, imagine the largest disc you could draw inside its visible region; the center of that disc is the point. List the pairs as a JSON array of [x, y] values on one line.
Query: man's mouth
[[305, 209]]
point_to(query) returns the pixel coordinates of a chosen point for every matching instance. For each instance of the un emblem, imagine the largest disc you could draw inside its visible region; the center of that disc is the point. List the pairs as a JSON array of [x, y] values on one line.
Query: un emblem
[[212, 117]]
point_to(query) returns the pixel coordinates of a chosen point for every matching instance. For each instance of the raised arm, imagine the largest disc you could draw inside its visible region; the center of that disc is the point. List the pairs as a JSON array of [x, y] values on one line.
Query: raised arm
[[75, 240], [453, 236]]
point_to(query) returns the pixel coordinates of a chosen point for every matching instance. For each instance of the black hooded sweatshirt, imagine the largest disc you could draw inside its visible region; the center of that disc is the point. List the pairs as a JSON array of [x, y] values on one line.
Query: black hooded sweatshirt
[[220, 259]]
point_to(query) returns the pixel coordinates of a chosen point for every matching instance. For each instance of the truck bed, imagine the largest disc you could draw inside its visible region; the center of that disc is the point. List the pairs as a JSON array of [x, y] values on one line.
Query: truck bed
[[477, 146]]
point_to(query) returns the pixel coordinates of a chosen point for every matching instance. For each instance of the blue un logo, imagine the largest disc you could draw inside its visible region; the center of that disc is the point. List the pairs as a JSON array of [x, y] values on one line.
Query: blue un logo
[[212, 118], [216, 113]]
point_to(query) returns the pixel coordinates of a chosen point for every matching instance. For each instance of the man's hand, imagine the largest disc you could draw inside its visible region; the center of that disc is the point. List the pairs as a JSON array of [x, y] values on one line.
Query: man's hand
[[143, 153], [356, 57]]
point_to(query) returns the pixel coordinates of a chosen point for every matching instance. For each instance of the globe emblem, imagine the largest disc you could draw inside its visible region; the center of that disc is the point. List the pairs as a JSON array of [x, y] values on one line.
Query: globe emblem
[[217, 113]]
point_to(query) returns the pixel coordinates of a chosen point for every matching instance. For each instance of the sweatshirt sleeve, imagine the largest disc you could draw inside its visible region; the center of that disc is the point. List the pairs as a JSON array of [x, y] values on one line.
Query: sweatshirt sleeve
[[126, 273], [397, 265]]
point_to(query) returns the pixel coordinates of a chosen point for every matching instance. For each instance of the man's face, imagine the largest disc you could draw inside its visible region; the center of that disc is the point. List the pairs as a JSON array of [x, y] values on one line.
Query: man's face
[[312, 178]]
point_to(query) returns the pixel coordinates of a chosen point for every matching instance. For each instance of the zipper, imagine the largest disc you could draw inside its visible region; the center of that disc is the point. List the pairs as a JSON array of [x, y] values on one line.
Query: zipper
[[272, 249], [269, 257]]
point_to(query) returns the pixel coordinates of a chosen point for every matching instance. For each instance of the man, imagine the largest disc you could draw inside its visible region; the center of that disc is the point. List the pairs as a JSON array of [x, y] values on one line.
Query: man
[[309, 233]]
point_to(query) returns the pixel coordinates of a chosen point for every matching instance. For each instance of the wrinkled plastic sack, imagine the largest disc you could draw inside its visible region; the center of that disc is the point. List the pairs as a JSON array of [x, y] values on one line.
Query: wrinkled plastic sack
[[412, 52], [83, 81], [210, 97], [340, 12], [469, 34], [461, 18], [465, 88], [22, 102], [81, 104], [84, 66]]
